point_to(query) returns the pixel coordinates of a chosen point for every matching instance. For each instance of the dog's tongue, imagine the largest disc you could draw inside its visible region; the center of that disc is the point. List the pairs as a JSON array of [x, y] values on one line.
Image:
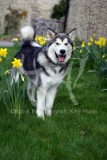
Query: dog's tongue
[[61, 58]]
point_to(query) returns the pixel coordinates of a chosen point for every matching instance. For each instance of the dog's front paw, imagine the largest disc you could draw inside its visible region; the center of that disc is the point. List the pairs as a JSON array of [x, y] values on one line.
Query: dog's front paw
[[48, 112], [40, 114]]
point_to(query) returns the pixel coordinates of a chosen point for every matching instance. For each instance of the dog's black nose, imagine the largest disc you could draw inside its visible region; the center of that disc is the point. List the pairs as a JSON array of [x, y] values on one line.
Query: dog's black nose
[[62, 51]]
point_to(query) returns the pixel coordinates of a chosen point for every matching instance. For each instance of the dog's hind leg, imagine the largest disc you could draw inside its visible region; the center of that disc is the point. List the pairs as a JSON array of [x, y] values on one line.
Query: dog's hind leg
[[30, 92]]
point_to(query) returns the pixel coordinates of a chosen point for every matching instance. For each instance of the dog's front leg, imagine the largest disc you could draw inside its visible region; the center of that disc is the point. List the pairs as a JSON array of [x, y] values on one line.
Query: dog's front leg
[[51, 93], [41, 97]]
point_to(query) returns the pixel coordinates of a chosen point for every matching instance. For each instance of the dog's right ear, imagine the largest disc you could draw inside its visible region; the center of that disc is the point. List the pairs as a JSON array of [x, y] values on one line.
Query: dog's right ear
[[50, 34]]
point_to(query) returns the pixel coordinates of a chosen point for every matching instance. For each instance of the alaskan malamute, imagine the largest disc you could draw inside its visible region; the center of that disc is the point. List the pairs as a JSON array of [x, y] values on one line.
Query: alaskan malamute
[[45, 66]]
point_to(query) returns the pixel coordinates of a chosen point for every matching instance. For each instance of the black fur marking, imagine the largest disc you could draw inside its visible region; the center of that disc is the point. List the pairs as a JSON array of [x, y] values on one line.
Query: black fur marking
[[64, 67], [39, 82], [28, 54], [45, 71], [61, 36], [45, 52], [53, 70]]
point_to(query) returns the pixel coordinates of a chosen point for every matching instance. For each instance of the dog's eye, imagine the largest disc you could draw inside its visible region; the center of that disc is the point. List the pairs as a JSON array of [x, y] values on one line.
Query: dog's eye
[[66, 44], [57, 44]]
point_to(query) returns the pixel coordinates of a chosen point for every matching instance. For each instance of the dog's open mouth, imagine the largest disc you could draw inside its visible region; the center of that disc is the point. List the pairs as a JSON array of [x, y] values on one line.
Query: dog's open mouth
[[60, 58]]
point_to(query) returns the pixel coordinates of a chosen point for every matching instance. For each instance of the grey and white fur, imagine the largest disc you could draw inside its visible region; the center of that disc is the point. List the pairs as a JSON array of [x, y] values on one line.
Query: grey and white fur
[[44, 66]]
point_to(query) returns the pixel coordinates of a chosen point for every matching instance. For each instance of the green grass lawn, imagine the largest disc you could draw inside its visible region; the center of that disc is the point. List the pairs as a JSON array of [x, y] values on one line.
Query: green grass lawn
[[71, 133]]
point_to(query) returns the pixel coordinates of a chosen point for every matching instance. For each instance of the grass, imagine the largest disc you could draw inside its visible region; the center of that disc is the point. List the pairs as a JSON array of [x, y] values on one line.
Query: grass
[[72, 133]]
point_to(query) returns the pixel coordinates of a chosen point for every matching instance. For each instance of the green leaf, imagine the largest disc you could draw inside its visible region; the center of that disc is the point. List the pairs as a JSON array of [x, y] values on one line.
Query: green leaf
[[93, 71], [103, 69], [102, 90]]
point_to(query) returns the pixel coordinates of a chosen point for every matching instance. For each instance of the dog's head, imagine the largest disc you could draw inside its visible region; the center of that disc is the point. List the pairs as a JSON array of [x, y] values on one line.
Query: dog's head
[[60, 46]]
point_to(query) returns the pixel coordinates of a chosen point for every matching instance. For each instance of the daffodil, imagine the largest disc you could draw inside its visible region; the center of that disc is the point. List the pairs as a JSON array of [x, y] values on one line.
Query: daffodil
[[3, 52], [17, 63], [89, 44], [36, 38], [15, 39], [80, 51], [74, 48], [83, 45], [101, 42], [40, 40], [103, 56], [0, 59], [91, 39], [96, 42]]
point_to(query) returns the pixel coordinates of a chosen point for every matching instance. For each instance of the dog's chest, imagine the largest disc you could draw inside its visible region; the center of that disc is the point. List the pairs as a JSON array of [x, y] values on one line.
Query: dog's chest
[[54, 78]]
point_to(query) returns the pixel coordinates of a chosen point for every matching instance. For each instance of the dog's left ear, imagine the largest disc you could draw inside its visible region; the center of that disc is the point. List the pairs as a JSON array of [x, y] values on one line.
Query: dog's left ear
[[50, 34], [72, 34]]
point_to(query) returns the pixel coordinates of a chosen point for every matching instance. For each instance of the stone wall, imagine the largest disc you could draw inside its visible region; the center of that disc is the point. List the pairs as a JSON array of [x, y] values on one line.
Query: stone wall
[[35, 8], [88, 17]]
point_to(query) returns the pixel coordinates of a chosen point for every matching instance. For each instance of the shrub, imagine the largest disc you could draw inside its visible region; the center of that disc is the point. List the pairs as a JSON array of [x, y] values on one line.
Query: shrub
[[59, 10], [12, 20], [97, 55]]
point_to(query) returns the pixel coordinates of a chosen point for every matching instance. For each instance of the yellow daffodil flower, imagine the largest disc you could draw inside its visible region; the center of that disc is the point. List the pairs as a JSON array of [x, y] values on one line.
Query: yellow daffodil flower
[[96, 42], [101, 42], [83, 45], [15, 39], [0, 59], [3, 52], [40, 40], [103, 56], [16, 63], [89, 44], [36, 38], [80, 51], [74, 47], [42, 43], [91, 39]]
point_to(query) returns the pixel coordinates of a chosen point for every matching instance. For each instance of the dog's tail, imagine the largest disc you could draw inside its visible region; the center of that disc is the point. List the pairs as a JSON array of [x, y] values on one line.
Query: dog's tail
[[27, 33], [27, 36]]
